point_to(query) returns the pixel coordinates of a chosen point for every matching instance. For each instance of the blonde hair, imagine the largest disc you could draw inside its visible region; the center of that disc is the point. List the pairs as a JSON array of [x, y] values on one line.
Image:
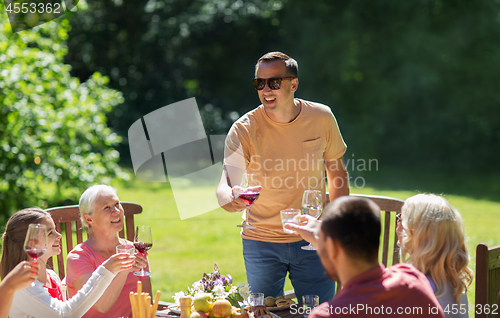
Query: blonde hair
[[434, 239], [86, 204]]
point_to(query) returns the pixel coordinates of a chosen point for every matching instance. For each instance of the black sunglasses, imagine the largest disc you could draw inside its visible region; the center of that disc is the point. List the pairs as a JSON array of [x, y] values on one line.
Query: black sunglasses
[[273, 83]]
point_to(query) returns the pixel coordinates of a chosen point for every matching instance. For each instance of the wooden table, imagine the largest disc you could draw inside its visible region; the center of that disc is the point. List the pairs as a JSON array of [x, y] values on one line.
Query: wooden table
[[163, 308], [288, 313]]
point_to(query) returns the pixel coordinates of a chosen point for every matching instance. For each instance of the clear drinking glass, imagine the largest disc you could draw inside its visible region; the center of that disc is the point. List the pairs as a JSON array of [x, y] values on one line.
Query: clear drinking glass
[[143, 242], [125, 248], [288, 216], [35, 243], [309, 302], [256, 299], [249, 180], [312, 204]]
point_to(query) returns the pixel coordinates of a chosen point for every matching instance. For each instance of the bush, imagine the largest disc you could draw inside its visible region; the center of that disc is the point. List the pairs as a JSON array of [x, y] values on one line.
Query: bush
[[54, 138]]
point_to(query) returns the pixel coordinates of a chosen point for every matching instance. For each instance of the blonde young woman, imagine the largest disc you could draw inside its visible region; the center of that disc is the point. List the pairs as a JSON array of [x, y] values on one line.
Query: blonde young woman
[[102, 213], [45, 299], [432, 237]]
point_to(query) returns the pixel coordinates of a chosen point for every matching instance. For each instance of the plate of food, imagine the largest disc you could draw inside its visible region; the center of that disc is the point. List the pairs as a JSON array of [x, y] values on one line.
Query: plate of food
[[174, 309], [278, 303]]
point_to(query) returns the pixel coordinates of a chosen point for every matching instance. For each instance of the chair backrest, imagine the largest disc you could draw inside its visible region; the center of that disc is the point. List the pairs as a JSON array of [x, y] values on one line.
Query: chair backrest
[[487, 280], [68, 222]]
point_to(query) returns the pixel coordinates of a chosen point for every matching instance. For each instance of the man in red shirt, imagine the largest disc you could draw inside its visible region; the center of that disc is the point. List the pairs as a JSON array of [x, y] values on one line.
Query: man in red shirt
[[347, 241]]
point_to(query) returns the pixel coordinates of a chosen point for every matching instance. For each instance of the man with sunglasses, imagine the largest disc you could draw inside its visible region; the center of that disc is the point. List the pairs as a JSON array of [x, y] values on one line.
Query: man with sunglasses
[[288, 142]]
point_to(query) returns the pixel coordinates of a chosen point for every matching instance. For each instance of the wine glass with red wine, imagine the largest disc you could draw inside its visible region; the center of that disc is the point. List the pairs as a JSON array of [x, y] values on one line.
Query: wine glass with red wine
[[143, 242], [35, 243], [249, 180]]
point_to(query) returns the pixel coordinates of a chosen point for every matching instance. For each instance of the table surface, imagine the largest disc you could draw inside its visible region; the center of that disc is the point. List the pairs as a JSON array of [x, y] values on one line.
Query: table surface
[[287, 313]]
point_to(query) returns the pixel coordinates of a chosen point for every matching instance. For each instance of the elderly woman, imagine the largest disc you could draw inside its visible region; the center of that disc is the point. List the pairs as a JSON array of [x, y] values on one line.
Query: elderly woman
[[431, 233], [44, 298], [102, 213]]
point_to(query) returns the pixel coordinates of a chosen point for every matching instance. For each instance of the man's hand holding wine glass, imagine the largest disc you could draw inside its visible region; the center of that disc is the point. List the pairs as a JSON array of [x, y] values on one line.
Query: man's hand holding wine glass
[[241, 203], [250, 191]]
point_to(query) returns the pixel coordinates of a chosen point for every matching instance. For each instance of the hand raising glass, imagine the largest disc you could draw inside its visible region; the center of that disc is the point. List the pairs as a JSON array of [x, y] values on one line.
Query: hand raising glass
[[249, 196]]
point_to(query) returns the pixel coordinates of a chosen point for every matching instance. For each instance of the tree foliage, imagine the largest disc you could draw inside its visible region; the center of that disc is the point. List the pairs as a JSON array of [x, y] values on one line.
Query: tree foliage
[[54, 139], [412, 82], [163, 51]]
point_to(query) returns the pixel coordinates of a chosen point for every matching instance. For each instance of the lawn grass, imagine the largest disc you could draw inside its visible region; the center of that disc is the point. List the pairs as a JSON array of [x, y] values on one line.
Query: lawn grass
[[183, 250]]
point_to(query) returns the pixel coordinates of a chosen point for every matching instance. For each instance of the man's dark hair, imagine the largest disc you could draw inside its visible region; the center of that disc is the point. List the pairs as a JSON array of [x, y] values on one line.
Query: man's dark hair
[[355, 224], [291, 65]]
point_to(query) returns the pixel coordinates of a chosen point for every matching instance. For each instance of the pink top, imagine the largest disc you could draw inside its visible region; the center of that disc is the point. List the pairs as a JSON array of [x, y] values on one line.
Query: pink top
[[84, 260], [398, 291]]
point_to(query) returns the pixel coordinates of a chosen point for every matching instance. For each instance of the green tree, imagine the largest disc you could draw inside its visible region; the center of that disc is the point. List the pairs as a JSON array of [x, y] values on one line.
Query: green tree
[[159, 52], [411, 82], [54, 138]]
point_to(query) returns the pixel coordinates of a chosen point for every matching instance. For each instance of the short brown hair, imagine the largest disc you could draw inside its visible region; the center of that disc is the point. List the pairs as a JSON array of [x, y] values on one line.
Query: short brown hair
[[355, 224], [291, 65]]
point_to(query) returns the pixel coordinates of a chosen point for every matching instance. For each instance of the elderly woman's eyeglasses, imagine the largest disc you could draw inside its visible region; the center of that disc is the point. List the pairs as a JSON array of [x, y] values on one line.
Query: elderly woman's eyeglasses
[[398, 218]]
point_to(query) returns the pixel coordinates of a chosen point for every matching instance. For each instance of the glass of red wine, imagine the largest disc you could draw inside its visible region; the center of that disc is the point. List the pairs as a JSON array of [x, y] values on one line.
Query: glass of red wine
[[35, 243], [143, 242], [249, 196]]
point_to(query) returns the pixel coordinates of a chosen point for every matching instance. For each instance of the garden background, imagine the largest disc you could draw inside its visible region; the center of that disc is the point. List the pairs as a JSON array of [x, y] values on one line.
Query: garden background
[[412, 85]]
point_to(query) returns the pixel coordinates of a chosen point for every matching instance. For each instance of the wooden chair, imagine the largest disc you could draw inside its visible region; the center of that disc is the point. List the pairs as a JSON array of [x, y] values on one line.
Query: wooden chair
[[389, 207], [487, 279], [67, 221]]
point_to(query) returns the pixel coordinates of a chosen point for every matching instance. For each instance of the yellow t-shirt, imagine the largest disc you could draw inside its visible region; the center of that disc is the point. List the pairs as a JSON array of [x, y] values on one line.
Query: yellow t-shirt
[[289, 158]]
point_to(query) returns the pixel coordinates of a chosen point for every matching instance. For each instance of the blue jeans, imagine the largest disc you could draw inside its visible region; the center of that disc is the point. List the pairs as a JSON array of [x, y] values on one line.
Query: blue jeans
[[267, 264]]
